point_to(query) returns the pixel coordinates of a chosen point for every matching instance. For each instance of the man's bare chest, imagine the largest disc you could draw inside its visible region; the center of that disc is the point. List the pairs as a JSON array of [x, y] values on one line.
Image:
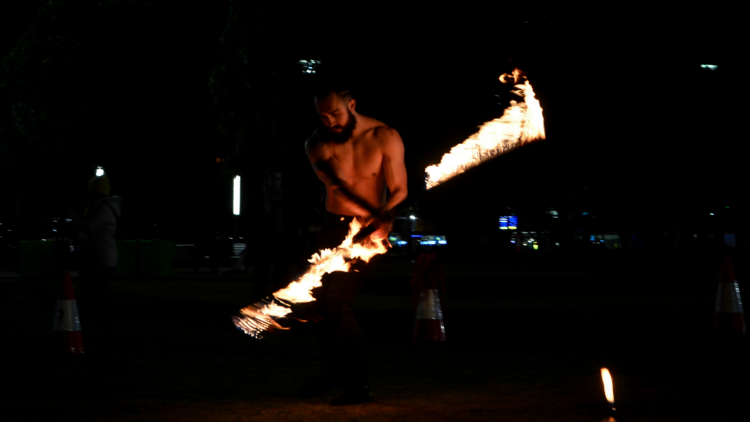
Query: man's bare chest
[[355, 160]]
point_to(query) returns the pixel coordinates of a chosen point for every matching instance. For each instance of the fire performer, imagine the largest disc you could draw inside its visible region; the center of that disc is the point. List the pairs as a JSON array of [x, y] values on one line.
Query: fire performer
[[361, 162]]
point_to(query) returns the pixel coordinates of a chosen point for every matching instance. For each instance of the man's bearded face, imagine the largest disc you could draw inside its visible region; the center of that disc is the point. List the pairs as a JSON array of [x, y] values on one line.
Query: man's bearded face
[[341, 133], [336, 114]]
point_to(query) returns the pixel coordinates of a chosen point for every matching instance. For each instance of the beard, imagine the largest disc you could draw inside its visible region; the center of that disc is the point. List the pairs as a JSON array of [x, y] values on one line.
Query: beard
[[346, 130]]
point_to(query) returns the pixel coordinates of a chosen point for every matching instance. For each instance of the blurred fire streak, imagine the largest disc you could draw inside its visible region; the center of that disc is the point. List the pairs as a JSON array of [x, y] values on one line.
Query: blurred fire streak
[[262, 315], [521, 123]]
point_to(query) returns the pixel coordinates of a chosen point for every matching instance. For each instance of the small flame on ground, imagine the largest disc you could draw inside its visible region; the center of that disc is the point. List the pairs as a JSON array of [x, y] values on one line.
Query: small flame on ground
[[609, 392], [521, 123], [260, 316]]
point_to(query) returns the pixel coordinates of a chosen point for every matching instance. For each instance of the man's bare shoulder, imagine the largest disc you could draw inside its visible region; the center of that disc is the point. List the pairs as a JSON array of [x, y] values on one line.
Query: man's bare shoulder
[[314, 142], [380, 132], [386, 136]]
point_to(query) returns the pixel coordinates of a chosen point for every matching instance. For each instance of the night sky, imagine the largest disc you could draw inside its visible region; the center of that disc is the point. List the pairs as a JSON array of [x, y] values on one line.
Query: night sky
[[628, 110]]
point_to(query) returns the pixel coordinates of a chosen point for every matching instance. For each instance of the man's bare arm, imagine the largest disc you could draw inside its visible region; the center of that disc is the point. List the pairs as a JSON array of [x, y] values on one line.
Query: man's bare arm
[[394, 169]]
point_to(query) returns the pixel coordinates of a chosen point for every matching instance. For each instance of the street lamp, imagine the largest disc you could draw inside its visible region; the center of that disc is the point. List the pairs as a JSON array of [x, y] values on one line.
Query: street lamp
[[236, 201], [99, 171]]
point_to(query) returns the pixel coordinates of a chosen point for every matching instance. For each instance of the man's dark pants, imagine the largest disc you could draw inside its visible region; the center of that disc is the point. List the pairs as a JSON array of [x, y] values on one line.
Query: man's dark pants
[[339, 331]]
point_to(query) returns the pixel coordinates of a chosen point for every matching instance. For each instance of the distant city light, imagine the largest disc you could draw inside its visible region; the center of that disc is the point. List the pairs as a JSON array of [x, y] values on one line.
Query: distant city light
[[236, 202], [411, 217], [711, 213], [508, 222], [709, 66], [433, 240], [309, 66], [99, 171]]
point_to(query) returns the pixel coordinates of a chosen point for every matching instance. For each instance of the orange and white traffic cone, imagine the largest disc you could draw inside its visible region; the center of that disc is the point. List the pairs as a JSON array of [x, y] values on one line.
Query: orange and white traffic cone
[[67, 325], [728, 317], [429, 322]]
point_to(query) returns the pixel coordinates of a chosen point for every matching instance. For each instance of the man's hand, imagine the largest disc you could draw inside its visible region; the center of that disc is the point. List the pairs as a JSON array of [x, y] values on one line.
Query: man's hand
[[382, 225], [377, 226]]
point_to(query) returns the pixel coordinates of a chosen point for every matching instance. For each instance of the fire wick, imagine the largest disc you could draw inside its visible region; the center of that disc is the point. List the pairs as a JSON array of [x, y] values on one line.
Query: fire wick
[[253, 322]]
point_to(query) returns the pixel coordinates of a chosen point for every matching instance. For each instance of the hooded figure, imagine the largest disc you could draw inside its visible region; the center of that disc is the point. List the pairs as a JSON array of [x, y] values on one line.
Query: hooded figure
[[99, 226], [99, 249]]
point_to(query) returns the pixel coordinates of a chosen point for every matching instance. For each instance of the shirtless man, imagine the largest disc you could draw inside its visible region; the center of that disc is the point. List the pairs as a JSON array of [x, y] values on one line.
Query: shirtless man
[[356, 158], [361, 162]]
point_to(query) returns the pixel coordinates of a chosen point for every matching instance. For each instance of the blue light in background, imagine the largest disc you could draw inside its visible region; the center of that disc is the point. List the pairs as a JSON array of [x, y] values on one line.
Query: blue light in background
[[508, 222]]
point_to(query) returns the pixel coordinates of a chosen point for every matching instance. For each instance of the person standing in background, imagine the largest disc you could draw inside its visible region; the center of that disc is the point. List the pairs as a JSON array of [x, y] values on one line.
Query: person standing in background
[[97, 226]]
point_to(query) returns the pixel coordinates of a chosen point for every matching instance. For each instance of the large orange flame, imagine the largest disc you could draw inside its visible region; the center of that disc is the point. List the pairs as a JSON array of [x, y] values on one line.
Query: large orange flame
[[521, 123], [261, 316]]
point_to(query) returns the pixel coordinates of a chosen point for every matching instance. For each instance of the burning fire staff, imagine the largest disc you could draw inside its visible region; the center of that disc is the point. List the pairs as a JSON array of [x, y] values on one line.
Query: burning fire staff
[[361, 162]]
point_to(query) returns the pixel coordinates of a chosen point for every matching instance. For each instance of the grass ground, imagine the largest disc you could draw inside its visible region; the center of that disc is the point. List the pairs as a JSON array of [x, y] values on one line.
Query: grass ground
[[526, 339]]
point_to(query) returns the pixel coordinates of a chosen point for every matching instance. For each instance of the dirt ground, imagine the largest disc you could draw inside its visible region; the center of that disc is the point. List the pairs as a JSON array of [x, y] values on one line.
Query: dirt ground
[[526, 340]]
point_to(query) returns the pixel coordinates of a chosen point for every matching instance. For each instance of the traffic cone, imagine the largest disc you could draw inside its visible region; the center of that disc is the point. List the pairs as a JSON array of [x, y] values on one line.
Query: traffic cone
[[429, 322], [728, 317], [67, 325]]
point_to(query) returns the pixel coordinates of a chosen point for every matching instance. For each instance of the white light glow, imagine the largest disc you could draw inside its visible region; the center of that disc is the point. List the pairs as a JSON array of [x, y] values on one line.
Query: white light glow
[[411, 217], [99, 172], [609, 391], [236, 201], [309, 66], [709, 66]]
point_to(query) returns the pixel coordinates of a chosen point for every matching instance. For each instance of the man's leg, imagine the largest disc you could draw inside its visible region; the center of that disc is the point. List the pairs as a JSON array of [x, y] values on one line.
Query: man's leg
[[339, 332], [348, 349]]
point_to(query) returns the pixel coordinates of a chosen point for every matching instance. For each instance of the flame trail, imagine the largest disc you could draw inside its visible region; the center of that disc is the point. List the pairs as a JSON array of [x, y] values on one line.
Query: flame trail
[[521, 123], [261, 316]]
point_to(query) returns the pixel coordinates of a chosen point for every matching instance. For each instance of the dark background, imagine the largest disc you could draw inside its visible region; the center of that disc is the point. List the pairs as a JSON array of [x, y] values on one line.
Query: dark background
[[639, 138], [158, 92]]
